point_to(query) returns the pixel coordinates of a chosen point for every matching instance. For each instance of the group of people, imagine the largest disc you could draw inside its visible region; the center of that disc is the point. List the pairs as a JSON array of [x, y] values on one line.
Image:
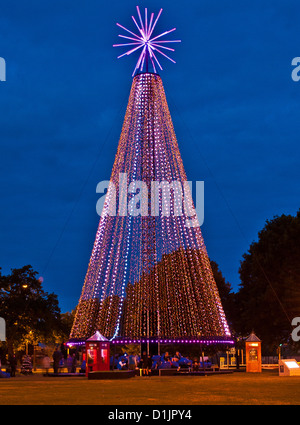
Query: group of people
[[147, 362], [26, 366], [58, 362], [170, 359], [133, 362]]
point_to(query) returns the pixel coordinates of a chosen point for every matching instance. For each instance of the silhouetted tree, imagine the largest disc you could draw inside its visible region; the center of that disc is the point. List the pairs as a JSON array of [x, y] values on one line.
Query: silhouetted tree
[[269, 294], [31, 314]]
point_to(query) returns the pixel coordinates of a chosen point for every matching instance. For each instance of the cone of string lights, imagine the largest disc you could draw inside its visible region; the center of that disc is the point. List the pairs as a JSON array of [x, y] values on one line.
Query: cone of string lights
[[149, 276]]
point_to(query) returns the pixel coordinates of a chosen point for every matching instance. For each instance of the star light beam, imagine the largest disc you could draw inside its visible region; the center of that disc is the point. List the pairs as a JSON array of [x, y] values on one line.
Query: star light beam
[[150, 45]]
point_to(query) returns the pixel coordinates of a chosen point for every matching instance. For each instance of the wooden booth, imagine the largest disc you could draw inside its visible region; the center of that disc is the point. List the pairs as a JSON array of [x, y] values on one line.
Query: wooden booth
[[253, 353], [97, 353]]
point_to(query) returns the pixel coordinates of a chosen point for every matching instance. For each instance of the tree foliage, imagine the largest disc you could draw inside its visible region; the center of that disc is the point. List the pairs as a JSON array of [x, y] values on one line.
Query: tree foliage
[[31, 314], [269, 294]]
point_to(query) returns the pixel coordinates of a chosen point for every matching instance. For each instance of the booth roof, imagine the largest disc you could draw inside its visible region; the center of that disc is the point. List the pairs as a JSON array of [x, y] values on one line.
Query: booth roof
[[97, 337], [253, 338]]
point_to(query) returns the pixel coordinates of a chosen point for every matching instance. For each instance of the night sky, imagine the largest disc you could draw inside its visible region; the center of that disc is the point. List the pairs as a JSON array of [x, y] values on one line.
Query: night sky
[[234, 106]]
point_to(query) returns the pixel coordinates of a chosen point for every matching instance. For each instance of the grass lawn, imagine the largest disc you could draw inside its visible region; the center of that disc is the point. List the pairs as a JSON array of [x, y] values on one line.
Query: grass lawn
[[237, 388]]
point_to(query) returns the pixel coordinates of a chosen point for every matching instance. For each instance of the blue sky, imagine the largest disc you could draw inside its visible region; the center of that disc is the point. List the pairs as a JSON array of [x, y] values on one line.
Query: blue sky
[[234, 106]]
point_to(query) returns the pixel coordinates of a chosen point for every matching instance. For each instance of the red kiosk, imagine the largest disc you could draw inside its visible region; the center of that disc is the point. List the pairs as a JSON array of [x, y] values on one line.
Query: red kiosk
[[253, 353], [97, 353]]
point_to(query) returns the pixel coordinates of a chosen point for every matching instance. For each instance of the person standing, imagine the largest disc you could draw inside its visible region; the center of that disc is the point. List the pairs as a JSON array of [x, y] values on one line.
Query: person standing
[[57, 356], [132, 362], [74, 363], [145, 365], [46, 363], [69, 363], [13, 365]]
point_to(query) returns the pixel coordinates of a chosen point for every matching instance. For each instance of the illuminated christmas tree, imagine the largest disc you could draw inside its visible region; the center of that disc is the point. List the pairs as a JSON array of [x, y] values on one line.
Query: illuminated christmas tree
[[149, 275]]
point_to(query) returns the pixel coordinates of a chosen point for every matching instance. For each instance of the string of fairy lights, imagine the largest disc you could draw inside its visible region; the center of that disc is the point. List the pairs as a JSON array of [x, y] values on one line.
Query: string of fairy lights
[[149, 275]]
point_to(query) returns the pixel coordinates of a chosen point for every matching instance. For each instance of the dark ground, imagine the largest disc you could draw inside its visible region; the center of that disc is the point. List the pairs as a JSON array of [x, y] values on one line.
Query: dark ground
[[239, 388]]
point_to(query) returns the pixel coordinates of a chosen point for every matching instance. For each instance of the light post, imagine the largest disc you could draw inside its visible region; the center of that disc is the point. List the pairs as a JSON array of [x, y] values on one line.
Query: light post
[[279, 353]]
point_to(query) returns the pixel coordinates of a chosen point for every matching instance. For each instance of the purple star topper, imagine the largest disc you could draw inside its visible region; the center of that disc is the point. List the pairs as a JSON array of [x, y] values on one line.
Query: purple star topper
[[150, 45]]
